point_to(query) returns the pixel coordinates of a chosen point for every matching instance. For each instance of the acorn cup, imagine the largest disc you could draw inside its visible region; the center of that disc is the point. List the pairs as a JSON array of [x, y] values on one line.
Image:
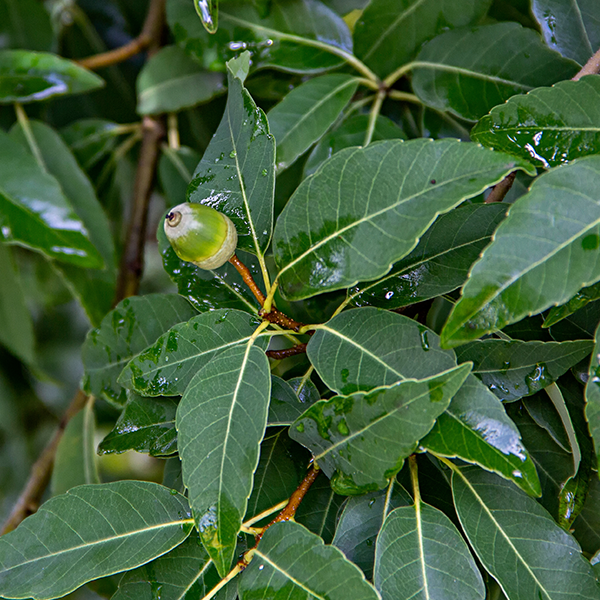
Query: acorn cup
[[201, 235]]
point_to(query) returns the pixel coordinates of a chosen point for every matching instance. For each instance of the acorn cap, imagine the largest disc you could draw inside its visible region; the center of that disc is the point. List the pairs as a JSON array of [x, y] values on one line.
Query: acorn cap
[[200, 234]]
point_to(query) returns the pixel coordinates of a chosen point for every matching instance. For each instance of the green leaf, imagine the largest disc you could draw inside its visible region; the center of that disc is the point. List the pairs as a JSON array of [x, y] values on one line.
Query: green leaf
[[586, 528], [307, 112], [171, 81], [33, 76], [366, 208], [468, 72], [365, 348], [34, 212], [388, 35], [95, 289], [167, 367], [581, 324], [291, 562], [236, 173], [592, 395], [221, 421], [513, 369], [145, 425], [548, 126], [123, 334], [75, 461], [184, 573], [175, 169], [16, 325], [571, 28], [579, 300], [420, 554], [367, 436], [518, 542], [91, 531], [285, 406], [351, 132], [542, 253], [439, 264], [476, 429], [361, 521], [539, 409], [25, 24]]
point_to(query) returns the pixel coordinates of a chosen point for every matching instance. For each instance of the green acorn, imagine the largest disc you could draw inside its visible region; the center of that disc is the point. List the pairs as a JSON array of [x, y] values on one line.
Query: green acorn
[[201, 235]]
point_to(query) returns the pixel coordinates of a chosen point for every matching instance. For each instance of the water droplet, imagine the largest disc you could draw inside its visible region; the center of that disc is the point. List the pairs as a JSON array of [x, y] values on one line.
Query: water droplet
[[204, 8], [424, 339], [388, 295], [300, 427], [261, 567], [264, 173], [369, 542], [342, 427], [232, 154]]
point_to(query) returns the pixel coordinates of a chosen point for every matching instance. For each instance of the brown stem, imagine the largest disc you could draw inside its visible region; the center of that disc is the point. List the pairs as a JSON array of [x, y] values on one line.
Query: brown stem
[[591, 67], [500, 190], [148, 39], [287, 352]]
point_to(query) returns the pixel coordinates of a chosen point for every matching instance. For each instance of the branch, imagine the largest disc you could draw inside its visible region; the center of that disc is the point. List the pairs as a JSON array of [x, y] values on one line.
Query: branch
[[287, 352], [500, 190], [591, 67]]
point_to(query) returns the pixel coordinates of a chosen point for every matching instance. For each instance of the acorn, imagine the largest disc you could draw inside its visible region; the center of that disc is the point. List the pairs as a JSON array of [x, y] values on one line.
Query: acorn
[[201, 235]]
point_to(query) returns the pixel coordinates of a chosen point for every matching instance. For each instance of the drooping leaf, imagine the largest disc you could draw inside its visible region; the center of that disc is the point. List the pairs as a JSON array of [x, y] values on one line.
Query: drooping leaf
[[439, 264], [285, 405], [388, 35], [91, 531], [548, 126], [171, 81], [572, 28], [579, 300], [542, 253], [291, 562], [476, 429], [167, 367], [123, 334], [35, 213], [365, 348], [468, 72], [366, 208], [513, 369], [307, 112], [236, 173], [518, 542], [25, 24], [33, 76], [145, 425], [420, 554], [367, 436], [184, 573], [220, 422], [361, 520]]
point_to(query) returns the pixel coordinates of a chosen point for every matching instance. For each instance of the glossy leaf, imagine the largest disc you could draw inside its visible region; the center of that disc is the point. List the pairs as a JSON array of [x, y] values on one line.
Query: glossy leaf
[[16, 325], [388, 35], [285, 406], [307, 112], [75, 460], [220, 422], [167, 367], [476, 429], [291, 562], [35, 213], [518, 542], [439, 264], [33, 76], [468, 72], [367, 207], [184, 573], [571, 28], [581, 324], [579, 300], [361, 521], [542, 253], [513, 369], [145, 425], [236, 173], [366, 348], [420, 554], [25, 24], [91, 531], [586, 526], [123, 334], [171, 81], [548, 126], [592, 395], [367, 436], [541, 410]]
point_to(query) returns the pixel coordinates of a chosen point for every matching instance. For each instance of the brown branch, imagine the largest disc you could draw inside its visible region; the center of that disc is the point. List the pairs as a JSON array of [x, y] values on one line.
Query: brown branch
[[591, 67], [148, 39], [287, 352], [500, 190]]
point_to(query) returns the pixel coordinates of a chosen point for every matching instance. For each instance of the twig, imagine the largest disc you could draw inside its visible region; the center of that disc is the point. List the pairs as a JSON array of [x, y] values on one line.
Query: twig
[[149, 37], [375, 110], [40, 474], [287, 352], [591, 67], [500, 190]]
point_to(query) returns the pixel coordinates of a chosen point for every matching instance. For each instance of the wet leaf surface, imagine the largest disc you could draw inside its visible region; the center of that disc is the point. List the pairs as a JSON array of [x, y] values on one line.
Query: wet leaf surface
[[285, 406]]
